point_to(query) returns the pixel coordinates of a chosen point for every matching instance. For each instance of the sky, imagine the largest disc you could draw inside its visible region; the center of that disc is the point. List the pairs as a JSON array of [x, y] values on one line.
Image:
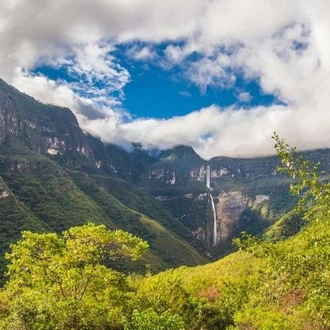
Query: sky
[[219, 76]]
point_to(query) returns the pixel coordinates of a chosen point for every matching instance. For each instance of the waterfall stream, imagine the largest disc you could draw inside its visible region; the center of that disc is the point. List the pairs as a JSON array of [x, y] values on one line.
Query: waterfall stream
[[215, 224], [208, 177]]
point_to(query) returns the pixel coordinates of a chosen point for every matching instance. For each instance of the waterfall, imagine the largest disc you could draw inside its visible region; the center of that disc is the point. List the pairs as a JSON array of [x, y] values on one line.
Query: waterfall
[[215, 224], [208, 177]]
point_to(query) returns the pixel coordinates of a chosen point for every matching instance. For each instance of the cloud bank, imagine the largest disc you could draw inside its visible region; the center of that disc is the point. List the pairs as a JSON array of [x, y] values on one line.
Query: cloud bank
[[284, 45]]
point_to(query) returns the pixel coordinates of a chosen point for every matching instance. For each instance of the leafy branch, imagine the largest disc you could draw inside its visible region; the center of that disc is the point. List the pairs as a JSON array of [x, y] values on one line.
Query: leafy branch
[[314, 193]]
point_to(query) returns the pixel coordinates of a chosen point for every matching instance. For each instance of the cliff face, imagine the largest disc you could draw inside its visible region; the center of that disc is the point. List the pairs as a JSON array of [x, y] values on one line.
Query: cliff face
[[239, 188], [3, 191], [45, 129], [229, 207], [175, 167], [8, 120]]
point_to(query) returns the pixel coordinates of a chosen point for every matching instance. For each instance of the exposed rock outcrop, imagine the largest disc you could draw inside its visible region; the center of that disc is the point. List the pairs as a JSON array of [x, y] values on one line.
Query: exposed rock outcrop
[[229, 207], [43, 128]]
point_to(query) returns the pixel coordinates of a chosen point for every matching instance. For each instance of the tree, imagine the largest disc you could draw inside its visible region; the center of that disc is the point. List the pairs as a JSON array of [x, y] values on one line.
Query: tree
[[63, 282], [314, 193]]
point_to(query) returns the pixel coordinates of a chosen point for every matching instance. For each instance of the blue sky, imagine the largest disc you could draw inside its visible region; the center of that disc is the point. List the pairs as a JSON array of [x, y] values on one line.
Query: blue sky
[[153, 92], [218, 76], [160, 92]]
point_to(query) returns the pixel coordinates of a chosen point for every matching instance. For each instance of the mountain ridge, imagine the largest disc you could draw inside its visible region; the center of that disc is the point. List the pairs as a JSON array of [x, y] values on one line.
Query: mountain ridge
[[45, 166], [63, 177]]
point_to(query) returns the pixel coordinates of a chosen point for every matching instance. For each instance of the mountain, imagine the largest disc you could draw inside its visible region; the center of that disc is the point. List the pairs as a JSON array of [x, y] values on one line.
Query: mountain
[[51, 180], [53, 176], [44, 129], [244, 194]]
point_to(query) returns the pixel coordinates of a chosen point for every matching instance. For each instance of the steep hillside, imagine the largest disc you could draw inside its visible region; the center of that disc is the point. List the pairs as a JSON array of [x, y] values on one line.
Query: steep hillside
[[268, 286], [43, 156], [58, 199]]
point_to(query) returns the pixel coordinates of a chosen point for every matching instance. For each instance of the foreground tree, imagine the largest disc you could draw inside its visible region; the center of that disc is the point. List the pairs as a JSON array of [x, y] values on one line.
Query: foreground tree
[[63, 282], [314, 192]]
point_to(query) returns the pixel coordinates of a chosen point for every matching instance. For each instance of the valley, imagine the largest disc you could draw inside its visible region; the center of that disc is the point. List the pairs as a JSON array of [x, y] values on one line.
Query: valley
[[56, 179], [61, 177]]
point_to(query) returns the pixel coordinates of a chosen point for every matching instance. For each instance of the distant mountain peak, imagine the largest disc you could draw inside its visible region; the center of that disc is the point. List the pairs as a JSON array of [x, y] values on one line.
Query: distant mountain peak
[[180, 153]]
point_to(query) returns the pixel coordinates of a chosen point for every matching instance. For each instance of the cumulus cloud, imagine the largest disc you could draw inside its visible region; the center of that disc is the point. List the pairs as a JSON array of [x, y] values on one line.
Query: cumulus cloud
[[282, 44]]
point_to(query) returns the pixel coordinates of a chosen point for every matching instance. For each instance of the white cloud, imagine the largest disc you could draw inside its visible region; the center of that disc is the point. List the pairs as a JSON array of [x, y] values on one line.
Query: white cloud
[[208, 72], [283, 44], [244, 97], [231, 132], [96, 74], [142, 53]]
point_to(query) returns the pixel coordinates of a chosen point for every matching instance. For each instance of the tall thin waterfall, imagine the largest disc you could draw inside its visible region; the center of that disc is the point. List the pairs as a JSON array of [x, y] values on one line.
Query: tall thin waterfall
[[215, 224], [208, 176]]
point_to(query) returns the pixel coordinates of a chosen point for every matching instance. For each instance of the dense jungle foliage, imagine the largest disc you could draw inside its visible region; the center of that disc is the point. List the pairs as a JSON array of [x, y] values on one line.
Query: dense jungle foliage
[[67, 282]]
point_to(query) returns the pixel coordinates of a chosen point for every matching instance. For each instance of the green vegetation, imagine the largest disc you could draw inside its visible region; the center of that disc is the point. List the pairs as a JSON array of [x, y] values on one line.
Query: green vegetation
[[149, 319], [267, 285], [67, 281], [62, 282], [160, 234], [41, 195], [69, 274], [136, 199]]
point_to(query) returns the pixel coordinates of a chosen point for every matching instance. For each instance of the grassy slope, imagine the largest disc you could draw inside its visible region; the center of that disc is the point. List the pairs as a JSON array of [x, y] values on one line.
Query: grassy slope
[[137, 199], [286, 287], [169, 246], [14, 218], [49, 193], [159, 237], [47, 197]]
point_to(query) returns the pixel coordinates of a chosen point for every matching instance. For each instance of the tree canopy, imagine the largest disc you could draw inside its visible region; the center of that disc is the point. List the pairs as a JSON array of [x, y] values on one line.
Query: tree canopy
[[63, 282]]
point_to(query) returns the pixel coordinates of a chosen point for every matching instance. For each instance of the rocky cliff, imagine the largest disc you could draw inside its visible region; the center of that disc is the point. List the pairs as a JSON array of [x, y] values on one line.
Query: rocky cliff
[[228, 208], [248, 194], [45, 129]]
